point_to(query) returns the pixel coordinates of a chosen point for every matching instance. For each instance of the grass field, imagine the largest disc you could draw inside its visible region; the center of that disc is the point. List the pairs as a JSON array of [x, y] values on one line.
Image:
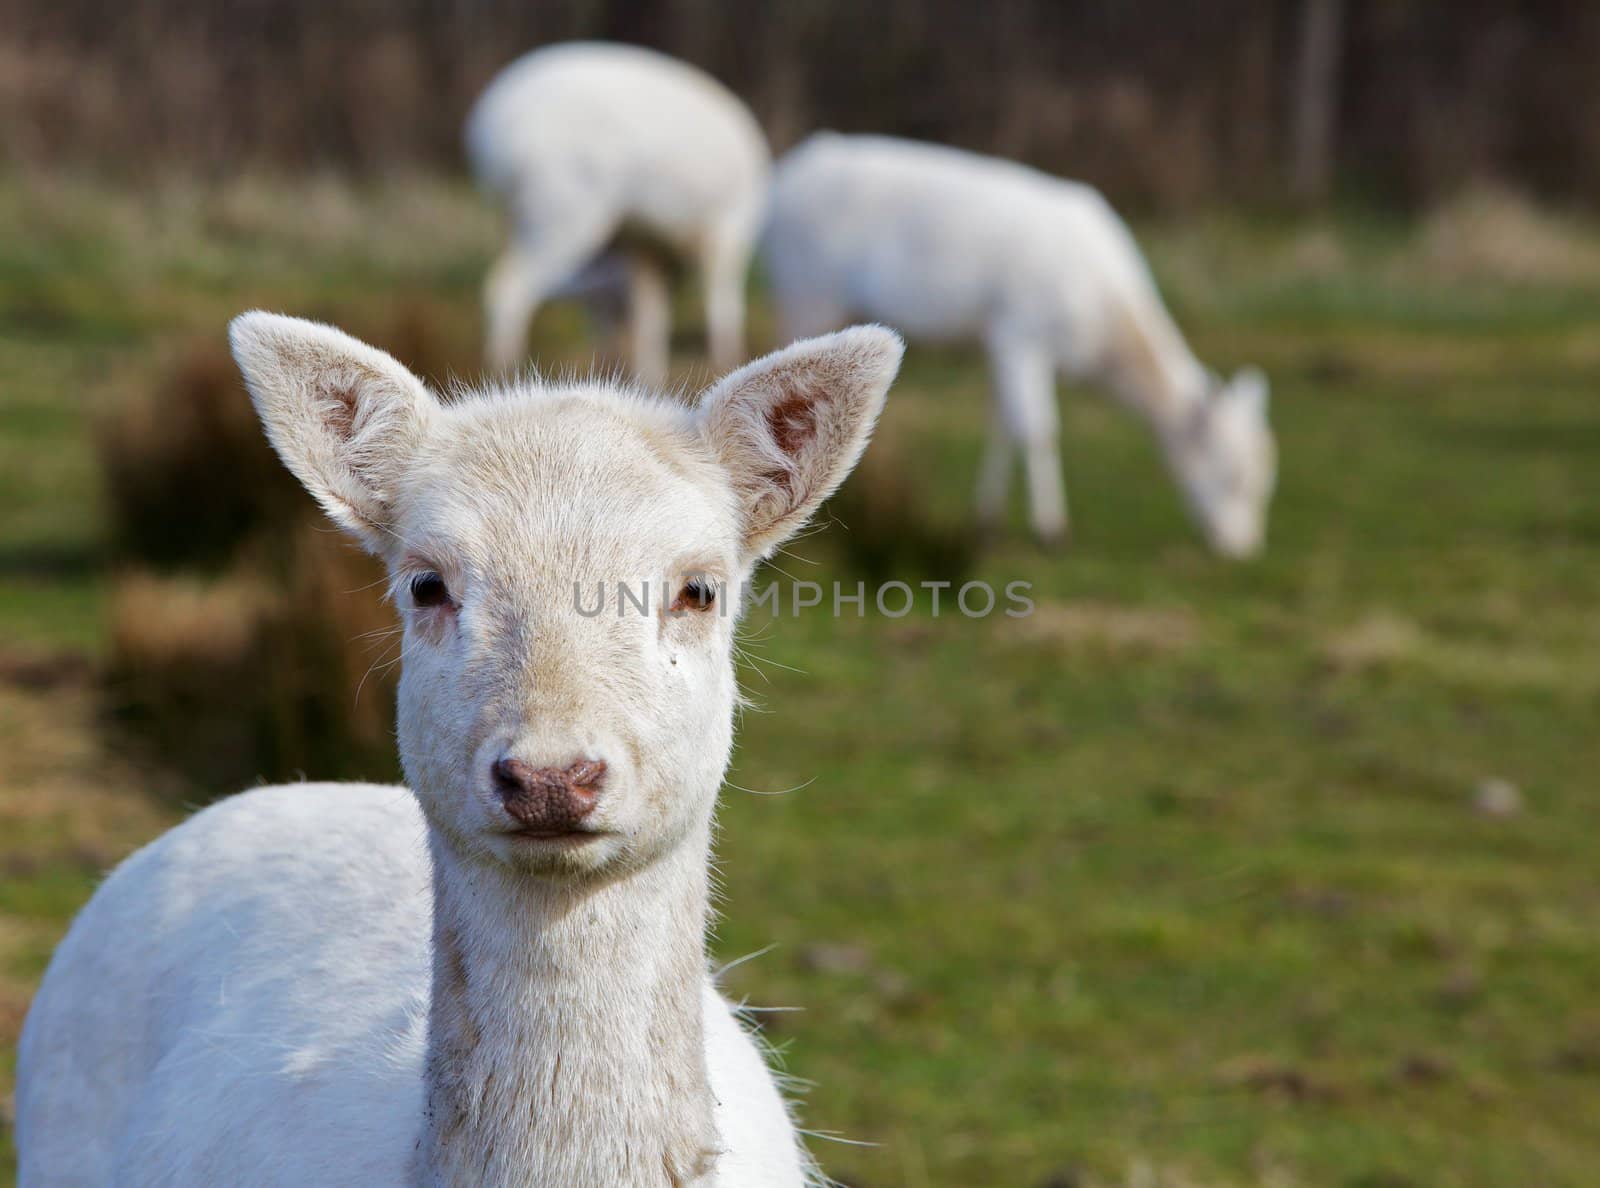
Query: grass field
[[1180, 880]]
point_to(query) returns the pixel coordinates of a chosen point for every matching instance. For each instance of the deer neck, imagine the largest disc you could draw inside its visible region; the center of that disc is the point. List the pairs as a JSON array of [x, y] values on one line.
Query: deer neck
[[565, 1037], [1155, 372]]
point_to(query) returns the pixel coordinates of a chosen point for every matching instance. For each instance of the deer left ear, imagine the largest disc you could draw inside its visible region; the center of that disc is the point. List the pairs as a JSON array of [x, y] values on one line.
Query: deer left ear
[[790, 426]]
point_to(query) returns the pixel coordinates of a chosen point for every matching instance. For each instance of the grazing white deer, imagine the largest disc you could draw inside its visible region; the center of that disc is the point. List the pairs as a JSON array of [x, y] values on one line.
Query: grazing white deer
[[611, 159], [499, 976], [949, 245]]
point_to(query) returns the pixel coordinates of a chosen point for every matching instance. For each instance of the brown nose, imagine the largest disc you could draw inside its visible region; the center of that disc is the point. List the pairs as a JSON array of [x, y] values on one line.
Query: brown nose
[[549, 799]]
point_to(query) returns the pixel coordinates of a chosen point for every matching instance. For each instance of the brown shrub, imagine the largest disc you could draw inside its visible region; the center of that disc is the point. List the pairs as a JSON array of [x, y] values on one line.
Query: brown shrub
[[276, 669], [882, 526], [188, 475]]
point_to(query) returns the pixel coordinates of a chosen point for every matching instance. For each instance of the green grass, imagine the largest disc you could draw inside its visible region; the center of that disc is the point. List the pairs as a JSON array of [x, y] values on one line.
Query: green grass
[[1176, 881]]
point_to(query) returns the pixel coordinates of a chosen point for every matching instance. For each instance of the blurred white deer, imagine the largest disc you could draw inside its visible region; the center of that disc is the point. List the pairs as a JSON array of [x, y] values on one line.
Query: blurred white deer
[[949, 245], [614, 162], [497, 978]]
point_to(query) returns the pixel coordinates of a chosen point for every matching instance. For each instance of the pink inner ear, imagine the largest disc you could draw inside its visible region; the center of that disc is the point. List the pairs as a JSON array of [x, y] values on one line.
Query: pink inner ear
[[792, 422], [339, 413]]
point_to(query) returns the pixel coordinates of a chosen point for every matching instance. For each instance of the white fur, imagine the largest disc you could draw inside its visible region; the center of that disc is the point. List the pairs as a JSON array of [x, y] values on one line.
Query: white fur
[[349, 984], [586, 141], [948, 245]]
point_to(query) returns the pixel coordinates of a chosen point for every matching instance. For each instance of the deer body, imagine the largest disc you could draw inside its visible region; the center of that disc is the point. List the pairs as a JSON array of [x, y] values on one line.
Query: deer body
[[948, 245], [496, 976], [311, 1095], [598, 149]]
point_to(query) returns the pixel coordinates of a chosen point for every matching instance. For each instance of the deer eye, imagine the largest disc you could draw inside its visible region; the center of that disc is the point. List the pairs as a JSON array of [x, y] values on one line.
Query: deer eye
[[697, 594], [429, 590]]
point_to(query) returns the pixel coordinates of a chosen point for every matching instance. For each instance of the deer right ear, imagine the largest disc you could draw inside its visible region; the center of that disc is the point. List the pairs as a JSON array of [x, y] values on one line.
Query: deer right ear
[[344, 417], [790, 426]]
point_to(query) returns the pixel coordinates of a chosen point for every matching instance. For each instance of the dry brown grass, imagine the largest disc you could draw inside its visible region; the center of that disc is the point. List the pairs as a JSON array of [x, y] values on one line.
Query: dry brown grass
[[59, 778], [1490, 233], [1380, 640], [1106, 627]]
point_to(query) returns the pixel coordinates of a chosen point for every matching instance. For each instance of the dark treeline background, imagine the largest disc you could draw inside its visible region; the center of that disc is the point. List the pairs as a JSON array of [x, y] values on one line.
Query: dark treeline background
[[1168, 103]]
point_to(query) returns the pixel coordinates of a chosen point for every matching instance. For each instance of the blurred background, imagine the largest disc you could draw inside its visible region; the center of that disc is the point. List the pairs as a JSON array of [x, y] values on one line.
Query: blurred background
[[1159, 102], [1274, 874]]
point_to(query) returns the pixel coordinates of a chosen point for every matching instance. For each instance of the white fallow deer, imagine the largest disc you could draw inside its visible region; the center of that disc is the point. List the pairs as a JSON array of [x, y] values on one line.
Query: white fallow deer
[[613, 162], [497, 977], [949, 245]]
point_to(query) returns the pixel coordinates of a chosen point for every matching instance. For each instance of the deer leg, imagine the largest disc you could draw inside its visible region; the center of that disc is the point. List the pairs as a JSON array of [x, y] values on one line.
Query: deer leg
[[994, 477], [649, 319], [545, 251], [723, 266], [1024, 387]]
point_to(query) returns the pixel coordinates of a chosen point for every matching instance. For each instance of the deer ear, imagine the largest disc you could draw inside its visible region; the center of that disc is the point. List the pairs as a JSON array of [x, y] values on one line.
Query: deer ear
[[1250, 388], [789, 427], [344, 417]]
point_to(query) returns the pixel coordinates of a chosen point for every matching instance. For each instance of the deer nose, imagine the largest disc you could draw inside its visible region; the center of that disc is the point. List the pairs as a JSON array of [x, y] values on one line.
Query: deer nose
[[551, 800]]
